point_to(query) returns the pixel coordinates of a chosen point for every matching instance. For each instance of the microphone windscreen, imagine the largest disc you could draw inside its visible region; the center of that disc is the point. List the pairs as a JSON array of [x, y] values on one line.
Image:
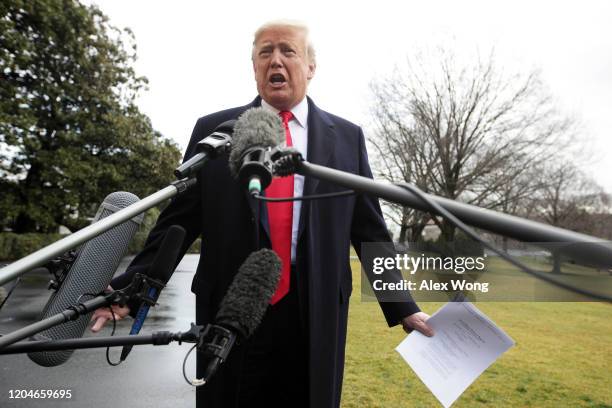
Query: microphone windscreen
[[248, 296], [91, 272], [256, 127]]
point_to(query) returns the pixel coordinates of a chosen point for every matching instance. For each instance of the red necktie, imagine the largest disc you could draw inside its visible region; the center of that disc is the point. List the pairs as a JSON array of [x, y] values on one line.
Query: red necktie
[[280, 217]]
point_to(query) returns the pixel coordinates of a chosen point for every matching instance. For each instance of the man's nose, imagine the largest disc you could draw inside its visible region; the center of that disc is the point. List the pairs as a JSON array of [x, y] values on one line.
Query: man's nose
[[277, 59]]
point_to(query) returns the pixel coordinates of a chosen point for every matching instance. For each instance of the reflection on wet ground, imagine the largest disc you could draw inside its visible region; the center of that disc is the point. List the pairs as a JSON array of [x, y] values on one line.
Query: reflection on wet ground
[[151, 376]]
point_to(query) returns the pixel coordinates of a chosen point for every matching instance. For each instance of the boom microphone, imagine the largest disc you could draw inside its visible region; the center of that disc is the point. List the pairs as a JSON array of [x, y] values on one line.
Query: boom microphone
[[242, 308], [208, 148], [256, 131], [93, 268], [161, 270]]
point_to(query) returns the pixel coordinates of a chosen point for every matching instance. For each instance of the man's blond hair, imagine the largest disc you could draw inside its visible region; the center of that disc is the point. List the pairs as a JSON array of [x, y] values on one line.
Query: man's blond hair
[[290, 24]]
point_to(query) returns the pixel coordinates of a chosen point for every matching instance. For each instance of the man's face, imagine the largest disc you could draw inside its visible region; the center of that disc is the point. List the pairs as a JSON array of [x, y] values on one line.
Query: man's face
[[282, 67]]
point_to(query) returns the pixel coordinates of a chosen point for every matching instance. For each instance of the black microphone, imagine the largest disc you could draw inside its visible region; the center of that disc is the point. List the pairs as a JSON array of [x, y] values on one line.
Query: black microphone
[[241, 309], [256, 131], [161, 271], [217, 143], [91, 272]]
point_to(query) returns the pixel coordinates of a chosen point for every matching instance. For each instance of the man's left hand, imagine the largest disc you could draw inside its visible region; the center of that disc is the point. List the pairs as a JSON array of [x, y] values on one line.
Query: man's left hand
[[416, 321]]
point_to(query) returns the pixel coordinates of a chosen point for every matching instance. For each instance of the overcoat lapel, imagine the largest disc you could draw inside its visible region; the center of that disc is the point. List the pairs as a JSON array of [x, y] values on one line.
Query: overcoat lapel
[[321, 142]]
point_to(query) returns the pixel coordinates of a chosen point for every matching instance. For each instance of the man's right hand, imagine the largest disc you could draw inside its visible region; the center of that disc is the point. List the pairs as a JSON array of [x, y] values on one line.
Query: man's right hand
[[103, 314]]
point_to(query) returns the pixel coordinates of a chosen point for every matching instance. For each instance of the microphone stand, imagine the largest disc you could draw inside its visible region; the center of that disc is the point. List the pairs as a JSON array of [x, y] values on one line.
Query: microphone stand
[[57, 248], [588, 249], [214, 341], [72, 313], [138, 289], [161, 338]]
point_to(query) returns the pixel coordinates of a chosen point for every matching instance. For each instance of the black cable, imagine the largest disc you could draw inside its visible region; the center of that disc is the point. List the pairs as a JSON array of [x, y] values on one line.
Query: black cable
[[8, 294], [195, 382], [108, 360], [468, 231], [305, 198], [110, 307]]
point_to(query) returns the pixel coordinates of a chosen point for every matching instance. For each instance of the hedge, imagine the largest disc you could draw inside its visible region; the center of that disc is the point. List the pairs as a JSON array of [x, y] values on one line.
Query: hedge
[[14, 246]]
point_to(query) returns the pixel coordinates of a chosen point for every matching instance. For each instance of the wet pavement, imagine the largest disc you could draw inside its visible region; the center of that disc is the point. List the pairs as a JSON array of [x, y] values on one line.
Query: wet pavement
[[150, 377]]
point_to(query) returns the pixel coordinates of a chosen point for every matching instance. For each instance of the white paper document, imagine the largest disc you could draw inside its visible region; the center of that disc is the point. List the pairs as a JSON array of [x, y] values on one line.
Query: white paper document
[[465, 343]]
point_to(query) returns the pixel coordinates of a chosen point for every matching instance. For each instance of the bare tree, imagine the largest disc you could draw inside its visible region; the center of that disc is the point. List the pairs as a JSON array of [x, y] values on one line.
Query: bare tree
[[463, 131], [569, 199]]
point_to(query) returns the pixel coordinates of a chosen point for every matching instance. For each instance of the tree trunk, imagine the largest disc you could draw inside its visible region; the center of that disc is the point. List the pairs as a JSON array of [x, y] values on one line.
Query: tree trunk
[[24, 223], [448, 231], [556, 263], [402, 235], [417, 233]]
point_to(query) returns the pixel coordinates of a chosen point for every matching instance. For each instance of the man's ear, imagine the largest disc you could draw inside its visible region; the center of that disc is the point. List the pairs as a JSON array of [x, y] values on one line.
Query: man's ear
[[312, 67]]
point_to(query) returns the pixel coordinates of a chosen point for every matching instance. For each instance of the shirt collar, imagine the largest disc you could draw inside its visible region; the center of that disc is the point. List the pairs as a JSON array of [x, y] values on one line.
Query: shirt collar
[[300, 111]]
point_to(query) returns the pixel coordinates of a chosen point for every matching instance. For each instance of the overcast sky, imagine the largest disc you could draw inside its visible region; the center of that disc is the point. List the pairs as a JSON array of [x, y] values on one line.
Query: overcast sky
[[196, 54]]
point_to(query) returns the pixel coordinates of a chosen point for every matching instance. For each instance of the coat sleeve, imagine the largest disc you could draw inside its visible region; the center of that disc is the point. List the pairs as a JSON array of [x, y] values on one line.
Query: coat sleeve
[[368, 225], [183, 210]]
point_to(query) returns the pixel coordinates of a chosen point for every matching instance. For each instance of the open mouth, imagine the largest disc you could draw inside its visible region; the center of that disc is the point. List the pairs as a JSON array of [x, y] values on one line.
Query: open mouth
[[277, 79]]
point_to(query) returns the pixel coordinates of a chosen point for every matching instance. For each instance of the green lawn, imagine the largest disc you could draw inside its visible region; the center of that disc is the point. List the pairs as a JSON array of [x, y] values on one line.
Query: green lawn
[[562, 358]]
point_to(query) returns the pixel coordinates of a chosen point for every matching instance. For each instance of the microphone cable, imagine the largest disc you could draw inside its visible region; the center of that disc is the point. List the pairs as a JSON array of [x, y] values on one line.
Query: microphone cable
[[58, 267], [108, 360], [305, 198], [196, 382], [10, 292], [110, 307], [256, 226]]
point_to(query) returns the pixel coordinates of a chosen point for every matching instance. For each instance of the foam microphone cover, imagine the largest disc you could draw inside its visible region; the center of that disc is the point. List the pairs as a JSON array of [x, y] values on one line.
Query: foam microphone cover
[[256, 127], [95, 264], [248, 296]]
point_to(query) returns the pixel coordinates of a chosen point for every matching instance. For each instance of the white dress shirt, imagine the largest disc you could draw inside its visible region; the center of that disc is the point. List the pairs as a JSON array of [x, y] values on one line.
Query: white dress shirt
[[298, 126]]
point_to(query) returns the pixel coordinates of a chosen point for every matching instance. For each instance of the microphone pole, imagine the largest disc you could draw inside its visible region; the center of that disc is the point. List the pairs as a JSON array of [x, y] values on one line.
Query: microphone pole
[[588, 249], [40, 257], [71, 313], [139, 289], [160, 338]]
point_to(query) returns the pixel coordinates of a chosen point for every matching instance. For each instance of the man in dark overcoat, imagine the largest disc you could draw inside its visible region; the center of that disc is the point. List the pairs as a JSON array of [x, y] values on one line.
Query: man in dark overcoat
[[296, 356]]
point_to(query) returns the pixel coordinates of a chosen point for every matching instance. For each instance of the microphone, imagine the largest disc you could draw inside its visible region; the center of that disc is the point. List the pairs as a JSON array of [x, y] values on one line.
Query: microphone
[[241, 309], [95, 264], [161, 270], [215, 144], [256, 131]]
